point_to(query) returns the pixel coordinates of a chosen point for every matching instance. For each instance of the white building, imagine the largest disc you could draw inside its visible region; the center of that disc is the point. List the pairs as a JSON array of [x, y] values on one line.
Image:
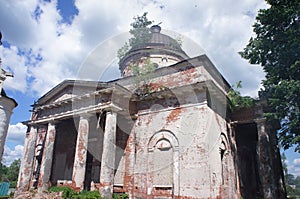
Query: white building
[[7, 105]]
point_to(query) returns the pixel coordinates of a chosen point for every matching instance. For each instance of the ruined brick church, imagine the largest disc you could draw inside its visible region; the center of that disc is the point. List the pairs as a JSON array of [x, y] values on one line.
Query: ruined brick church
[[172, 137]]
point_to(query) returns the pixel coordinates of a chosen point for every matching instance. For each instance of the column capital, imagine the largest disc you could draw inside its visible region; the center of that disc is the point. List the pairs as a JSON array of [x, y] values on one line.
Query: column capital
[[234, 123], [114, 108], [32, 126], [32, 129], [53, 122], [110, 111], [86, 116]]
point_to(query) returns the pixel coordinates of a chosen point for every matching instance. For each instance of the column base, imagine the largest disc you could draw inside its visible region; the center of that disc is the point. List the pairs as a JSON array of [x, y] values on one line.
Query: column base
[[106, 191]]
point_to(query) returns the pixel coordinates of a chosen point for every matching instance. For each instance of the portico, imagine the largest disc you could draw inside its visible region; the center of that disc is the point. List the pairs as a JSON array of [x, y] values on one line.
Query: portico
[[74, 144]]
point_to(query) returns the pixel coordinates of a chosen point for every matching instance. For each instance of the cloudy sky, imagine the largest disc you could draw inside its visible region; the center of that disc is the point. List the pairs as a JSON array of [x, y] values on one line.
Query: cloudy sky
[[45, 42]]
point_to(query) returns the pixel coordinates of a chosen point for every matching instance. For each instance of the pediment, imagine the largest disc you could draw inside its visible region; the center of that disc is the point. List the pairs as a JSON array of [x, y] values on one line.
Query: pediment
[[69, 89]]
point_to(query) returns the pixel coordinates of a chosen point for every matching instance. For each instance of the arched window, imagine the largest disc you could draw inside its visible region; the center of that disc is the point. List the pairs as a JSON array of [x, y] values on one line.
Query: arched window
[[163, 160], [223, 147], [163, 164]]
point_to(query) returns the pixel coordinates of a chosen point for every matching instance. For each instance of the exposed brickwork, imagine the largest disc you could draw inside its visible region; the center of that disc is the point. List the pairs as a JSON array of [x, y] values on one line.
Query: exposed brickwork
[[171, 138], [80, 154]]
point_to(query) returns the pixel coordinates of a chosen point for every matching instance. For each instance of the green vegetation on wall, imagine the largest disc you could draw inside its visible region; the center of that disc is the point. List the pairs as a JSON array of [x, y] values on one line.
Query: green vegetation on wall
[[140, 32], [237, 100]]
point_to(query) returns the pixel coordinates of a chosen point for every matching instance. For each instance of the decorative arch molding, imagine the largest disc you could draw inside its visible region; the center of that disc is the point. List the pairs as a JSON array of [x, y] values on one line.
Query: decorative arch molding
[[164, 139], [225, 162], [163, 135], [223, 143]]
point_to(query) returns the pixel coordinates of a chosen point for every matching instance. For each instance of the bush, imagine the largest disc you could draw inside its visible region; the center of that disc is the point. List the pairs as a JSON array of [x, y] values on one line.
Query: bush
[[87, 195], [12, 184], [120, 196], [67, 191], [70, 193]]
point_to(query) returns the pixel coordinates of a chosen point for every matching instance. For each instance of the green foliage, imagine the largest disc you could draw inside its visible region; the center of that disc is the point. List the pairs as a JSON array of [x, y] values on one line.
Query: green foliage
[[87, 195], [120, 196], [142, 72], [70, 193], [292, 186], [284, 166], [3, 171], [237, 100], [10, 173], [140, 32], [123, 50], [276, 48], [67, 191]]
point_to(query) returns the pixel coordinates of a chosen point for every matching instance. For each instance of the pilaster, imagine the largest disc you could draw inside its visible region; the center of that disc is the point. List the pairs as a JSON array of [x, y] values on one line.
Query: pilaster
[[129, 164]]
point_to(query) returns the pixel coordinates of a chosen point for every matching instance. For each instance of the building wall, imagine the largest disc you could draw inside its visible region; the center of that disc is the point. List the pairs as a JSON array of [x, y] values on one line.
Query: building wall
[[194, 134], [6, 108]]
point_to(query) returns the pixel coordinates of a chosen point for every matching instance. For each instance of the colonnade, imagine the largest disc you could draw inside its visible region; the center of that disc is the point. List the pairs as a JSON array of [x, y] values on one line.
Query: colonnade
[[79, 167]]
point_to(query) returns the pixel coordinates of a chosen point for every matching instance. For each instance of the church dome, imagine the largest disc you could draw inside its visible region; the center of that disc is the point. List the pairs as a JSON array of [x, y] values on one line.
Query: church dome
[[160, 49]]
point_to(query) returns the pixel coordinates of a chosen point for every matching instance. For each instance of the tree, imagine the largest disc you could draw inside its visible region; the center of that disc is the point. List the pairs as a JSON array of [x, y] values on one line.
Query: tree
[[284, 166], [140, 32], [3, 171], [276, 47], [237, 100], [142, 72], [10, 173], [13, 170]]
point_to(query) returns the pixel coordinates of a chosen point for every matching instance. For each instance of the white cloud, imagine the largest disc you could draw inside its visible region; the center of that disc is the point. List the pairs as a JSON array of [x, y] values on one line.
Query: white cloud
[[222, 29], [56, 50], [296, 162], [10, 155], [13, 148], [15, 63], [294, 166], [16, 22], [16, 134]]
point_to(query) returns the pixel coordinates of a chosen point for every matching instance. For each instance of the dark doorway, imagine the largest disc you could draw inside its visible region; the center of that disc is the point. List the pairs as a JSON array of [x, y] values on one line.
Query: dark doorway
[[246, 140], [64, 151], [94, 152]]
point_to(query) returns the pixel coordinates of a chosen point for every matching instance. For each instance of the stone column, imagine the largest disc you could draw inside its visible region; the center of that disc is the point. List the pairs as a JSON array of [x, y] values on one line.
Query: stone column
[[80, 154], [108, 155], [45, 172], [26, 167], [264, 155]]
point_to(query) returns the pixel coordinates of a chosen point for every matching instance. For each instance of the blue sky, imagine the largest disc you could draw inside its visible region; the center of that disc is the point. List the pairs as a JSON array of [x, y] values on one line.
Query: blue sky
[[45, 42]]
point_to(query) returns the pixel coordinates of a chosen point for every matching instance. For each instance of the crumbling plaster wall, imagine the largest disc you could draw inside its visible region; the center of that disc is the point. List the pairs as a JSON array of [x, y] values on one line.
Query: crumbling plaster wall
[[197, 129], [6, 109], [182, 76]]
